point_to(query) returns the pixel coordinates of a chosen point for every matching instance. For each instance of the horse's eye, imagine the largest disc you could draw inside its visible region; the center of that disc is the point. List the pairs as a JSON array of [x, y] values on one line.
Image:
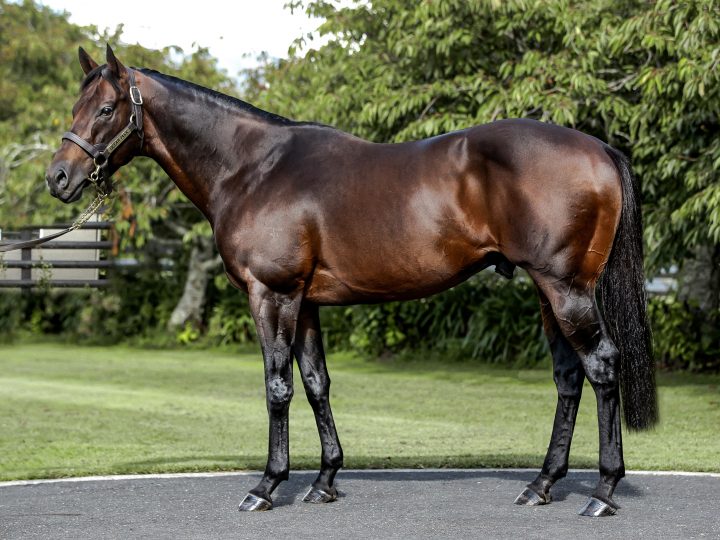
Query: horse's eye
[[106, 111]]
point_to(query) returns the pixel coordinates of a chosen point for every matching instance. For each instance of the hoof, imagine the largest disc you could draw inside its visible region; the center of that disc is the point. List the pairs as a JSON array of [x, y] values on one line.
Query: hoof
[[318, 496], [597, 508], [253, 503], [529, 498]]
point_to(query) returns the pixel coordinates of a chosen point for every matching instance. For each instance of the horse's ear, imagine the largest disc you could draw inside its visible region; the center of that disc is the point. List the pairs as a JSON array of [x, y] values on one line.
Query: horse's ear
[[113, 63], [87, 63]]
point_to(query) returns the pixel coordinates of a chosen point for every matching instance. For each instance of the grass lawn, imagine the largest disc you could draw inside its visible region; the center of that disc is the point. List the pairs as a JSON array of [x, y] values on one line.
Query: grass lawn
[[68, 411]]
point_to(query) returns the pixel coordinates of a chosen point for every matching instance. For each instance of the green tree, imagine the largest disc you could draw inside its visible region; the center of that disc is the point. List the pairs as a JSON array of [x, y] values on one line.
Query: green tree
[[39, 78]]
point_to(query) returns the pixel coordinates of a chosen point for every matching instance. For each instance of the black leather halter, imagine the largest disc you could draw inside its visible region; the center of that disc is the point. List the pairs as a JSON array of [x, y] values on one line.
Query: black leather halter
[[100, 153]]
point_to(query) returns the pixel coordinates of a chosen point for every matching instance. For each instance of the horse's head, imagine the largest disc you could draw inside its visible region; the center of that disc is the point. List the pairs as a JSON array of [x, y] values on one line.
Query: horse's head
[[107, 119]]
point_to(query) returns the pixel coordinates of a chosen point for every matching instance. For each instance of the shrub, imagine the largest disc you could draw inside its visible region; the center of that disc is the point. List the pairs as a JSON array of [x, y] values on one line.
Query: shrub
[[135, 305], [487, 319], [229, 320], [684, 336]]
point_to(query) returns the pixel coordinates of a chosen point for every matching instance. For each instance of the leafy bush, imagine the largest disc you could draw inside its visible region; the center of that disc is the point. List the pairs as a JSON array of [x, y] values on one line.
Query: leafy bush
[[485, 319], [40, 311], [229, 320], [685, 337], [135, 306]]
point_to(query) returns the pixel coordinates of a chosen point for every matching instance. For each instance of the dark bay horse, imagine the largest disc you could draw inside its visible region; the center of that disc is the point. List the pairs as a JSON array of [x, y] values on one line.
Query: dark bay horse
[[305, 215]]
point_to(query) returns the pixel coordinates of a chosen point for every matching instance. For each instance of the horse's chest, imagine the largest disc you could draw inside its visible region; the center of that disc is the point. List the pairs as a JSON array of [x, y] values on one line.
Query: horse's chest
[[271, 255]]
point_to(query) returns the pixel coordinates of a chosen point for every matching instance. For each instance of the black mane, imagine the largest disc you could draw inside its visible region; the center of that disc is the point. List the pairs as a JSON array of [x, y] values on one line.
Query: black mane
[[218, 96], [91, 76], [224, 98], [97, 72]]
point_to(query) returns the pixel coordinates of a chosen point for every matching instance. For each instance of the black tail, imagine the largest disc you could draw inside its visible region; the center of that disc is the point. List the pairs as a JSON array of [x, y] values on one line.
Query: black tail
[[622, 297]]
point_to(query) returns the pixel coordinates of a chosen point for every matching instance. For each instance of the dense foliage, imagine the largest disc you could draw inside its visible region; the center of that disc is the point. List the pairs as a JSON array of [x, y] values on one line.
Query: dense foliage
[[642, 75], [484, 320]]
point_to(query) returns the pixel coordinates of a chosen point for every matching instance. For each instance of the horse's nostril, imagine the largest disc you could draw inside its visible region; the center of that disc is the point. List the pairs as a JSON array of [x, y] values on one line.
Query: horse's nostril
[[49, 184], [61, 178]]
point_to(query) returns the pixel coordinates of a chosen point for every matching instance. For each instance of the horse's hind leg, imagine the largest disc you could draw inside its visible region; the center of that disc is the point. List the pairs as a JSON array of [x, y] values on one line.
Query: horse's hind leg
[[309, 353], [575, 309], [569, 376], [276, 320]]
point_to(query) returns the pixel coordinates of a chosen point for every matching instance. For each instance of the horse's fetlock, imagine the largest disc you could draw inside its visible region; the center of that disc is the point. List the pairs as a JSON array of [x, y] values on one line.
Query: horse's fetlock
[[334, 461], [277, 473], [557, 473]]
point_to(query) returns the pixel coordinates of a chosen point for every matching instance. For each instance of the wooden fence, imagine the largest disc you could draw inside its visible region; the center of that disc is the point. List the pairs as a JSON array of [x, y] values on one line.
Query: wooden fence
[[79, 259]]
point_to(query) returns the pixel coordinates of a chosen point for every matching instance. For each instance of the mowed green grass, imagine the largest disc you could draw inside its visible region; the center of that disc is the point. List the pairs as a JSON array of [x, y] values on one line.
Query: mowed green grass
[[69, 411]]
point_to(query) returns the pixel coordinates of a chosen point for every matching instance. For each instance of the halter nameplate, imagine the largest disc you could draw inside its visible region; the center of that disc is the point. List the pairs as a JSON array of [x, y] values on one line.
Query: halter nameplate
[[119, 139]]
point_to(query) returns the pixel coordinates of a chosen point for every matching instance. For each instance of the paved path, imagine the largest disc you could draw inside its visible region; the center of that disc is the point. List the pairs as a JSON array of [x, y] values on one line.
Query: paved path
[[375, 504]]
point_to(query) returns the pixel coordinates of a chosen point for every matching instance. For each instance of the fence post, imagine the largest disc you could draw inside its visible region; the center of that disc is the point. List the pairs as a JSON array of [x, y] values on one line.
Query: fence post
[[26, 255]]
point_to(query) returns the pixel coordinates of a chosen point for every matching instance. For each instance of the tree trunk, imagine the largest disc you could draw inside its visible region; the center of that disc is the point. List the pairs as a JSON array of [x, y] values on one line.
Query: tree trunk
[[190, 307]]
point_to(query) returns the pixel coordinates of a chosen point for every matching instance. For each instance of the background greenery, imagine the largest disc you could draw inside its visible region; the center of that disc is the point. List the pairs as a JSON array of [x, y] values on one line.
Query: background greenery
[[642, 75]]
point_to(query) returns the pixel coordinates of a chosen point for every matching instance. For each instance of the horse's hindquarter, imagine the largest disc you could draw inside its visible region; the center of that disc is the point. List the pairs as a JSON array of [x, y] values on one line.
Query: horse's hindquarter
[[555, 197]]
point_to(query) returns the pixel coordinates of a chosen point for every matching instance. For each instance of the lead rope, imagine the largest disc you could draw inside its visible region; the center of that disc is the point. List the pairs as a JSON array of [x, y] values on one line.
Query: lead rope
[[92, 208]]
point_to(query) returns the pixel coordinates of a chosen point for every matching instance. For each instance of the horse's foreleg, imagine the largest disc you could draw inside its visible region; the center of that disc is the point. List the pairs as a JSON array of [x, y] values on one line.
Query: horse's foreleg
[[276, 319], [569, 376], [577, 315], [311, 361]]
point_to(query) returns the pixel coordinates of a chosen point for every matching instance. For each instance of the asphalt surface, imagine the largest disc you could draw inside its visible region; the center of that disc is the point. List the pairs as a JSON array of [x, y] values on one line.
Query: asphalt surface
[[374, 504]]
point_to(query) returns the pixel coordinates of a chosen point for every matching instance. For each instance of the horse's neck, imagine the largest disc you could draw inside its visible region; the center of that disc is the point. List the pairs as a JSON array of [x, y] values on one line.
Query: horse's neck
[[201, 143]]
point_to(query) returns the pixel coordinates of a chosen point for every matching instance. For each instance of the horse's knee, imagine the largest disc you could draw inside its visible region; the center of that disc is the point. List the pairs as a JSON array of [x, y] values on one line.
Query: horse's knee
[[601, 365], [279, 393]]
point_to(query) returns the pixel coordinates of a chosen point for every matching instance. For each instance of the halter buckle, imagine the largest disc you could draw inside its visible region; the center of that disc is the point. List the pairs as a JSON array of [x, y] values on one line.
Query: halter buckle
[[135, 95], [94, 176]]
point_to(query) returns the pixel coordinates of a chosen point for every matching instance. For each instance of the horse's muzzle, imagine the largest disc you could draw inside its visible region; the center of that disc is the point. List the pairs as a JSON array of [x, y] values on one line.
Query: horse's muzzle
[[63, 184]]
